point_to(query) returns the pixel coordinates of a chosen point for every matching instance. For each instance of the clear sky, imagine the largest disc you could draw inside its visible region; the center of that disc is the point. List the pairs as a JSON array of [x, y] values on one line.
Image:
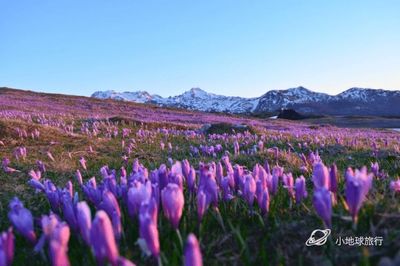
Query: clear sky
[[227, 47]]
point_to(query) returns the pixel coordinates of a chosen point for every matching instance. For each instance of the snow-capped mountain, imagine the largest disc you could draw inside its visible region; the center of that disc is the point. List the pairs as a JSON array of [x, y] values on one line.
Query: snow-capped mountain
[[354, 101], [135, 96]]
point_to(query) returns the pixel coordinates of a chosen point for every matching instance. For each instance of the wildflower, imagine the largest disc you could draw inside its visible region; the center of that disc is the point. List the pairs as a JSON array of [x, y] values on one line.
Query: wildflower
[[102, 239], [322, 201], [22, 219], [358, 184], [7, 247], [192, 252], [172, 202], [300, 189]]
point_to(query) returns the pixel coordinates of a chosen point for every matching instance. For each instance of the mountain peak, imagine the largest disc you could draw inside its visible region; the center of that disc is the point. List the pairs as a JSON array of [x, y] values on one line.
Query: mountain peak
[[196, 92], [301, 99]]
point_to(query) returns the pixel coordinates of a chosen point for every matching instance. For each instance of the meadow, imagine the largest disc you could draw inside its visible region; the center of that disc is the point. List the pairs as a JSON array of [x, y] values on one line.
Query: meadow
[[98, 182]]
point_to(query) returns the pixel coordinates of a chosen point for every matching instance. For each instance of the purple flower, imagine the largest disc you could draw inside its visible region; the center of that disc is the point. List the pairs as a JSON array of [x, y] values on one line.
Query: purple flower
[[102, 239], [287, 180], [375, 169], [53, 195], [227, 163], [138, 194], [395, 185], [163, 176], [320, 175], [22, 219], [59, 245], [36, 175], [226, 189], [110, 205], [322, 201], [192, 252], [249, 190], [148, 228], [84, 219], [191, 180], [68, 210], [91, 192], [300, 189], [236, 148], [264, 202], [41, 166], [82, 161], [185, 168], [172, 202], [201, 204], [210, 188], [333, 179], [79, 178], [357, 187], [36, 184], [238, 176], [219, 172], [6, 247]]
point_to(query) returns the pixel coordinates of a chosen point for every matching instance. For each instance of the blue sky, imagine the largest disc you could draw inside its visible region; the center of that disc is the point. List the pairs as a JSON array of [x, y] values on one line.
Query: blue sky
[[227, 47]]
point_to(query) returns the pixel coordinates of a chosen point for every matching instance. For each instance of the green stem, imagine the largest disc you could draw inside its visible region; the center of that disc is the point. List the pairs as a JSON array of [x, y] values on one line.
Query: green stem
[[180, 238], [159, 262]]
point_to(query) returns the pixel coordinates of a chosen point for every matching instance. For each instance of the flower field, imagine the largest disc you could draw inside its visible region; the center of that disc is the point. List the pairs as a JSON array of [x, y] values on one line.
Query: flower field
[[90, 182]]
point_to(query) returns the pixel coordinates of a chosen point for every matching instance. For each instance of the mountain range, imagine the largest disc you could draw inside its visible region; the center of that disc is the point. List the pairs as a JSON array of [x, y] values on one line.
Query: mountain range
[[354, 101]]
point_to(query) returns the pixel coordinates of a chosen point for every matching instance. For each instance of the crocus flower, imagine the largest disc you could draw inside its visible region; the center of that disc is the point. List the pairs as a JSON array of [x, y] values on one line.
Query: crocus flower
[[322, 201], [172, 202], [227, 163], [320, 175], [357, 187], [375, 169], [68, 210], [333, 179], [35, 174], [191, 180], [287, 180], [236, 148], [300, 189], [59, 245], [6, 247], [53, 195], [82, 161], [395, 185], [226, 189], [22, 219], [36, 184], [201, 204], [264, 203], [84, 219], [41, 166], [185, 168], [148, 230], [210, 188], [6, 168], [249, 190], [102, 239], [138, 194], [192, 252], [79, 178], [110, 205], [91, 192]]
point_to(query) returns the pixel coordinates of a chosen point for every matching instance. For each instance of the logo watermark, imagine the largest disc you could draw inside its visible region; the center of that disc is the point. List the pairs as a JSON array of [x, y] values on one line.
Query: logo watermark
[[319, 237]]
